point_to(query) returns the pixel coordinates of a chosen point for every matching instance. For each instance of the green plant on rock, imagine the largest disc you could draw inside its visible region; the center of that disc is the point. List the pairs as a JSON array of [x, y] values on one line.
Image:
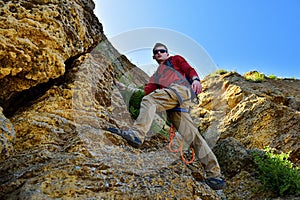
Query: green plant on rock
[[272, 76], [135, 103], [218, 72], [221, 71], [254, 76], [277, 173]]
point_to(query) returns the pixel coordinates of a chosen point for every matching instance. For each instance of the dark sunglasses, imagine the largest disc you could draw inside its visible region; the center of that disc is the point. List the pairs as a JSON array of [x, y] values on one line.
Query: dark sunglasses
[[159, 50]]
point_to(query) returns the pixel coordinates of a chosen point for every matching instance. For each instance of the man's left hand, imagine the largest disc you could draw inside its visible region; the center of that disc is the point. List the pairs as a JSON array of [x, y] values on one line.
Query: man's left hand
[[197, 87]]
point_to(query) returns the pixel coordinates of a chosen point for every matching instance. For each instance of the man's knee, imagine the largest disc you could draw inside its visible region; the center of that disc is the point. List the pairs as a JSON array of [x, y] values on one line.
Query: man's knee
[[147, 101]]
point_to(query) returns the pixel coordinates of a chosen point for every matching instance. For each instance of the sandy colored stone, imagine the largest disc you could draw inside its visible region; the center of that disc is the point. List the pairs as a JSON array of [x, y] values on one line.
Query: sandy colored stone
[[37, 37], [257, 114]]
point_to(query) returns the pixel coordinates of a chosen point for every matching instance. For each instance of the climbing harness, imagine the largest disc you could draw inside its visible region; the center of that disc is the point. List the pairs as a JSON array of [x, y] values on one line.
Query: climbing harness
[[180, 149]]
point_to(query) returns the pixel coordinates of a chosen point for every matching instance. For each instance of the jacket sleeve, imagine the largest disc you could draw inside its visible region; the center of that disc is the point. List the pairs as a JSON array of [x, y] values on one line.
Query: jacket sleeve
[[184, 66], [150, 86]]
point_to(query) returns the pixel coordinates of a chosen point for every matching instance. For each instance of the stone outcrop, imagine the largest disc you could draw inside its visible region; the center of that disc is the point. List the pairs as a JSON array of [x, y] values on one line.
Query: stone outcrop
[[38, 40], [257, 114], [58, 96]]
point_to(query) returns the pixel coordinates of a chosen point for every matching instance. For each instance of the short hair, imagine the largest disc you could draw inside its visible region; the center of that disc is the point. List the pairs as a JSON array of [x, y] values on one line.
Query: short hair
[[158, 44]]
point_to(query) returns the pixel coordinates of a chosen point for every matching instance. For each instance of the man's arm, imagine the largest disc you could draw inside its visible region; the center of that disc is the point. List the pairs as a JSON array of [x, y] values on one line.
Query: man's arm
[[184, 66], [190, 72], [150, 86]]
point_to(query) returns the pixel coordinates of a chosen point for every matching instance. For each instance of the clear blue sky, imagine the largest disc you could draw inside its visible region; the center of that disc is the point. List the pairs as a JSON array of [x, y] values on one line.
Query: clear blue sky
[[239, 35]]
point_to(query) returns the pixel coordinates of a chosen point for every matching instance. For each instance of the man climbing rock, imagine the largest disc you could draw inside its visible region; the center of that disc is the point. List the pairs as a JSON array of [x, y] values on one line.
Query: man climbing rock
[[171, 89]]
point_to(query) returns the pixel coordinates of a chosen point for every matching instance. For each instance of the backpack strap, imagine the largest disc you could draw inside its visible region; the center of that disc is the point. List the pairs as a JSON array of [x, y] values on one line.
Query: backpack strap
[[194, 97], [185, 79], [169, 64]]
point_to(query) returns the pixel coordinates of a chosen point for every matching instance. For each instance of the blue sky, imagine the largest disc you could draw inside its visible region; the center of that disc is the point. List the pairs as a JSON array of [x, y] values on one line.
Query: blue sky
[[238, 35]]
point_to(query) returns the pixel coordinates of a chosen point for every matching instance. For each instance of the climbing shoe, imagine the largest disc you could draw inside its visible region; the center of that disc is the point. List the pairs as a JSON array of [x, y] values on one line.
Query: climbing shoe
[[216, 183], [129, 135]]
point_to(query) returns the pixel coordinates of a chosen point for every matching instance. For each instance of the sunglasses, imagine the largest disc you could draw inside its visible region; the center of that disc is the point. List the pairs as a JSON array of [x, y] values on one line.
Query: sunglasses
[[159, 50]]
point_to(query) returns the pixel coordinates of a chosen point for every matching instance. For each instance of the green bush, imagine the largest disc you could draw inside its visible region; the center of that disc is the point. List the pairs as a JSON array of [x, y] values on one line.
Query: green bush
[[272, 76], [221, 71], [254, 76], [135, 103], [277, 173]]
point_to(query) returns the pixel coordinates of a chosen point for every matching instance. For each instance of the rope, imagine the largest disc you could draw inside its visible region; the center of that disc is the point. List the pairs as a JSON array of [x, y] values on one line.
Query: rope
[[180, 149]]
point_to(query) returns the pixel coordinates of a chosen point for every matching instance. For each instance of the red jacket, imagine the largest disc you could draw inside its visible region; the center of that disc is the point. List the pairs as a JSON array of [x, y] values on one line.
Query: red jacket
[[165, 75]]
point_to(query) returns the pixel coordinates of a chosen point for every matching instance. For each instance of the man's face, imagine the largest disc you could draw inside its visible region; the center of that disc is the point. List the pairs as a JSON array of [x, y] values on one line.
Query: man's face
[[160, 54]]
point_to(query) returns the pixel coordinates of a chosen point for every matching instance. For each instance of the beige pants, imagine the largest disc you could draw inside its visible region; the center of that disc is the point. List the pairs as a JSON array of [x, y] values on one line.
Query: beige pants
[[166, 99]]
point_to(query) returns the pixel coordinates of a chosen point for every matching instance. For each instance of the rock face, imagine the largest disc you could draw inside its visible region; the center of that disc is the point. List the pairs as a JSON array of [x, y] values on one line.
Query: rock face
[[38, 39], [257, 114], [58, 95]]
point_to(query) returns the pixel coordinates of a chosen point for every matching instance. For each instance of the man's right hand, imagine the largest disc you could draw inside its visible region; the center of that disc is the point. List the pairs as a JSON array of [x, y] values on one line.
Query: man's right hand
[[197, 87]]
